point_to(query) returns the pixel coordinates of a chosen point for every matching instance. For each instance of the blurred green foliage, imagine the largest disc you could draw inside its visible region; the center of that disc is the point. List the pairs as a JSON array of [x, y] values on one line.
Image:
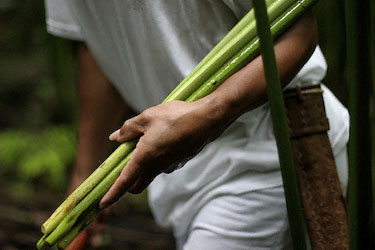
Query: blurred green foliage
[[38, 100], [41, 157]]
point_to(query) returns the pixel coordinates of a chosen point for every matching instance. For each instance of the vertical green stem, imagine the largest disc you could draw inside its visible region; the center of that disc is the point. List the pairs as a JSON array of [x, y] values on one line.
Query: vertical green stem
[[251, 50], [359, 82], [295, 212]]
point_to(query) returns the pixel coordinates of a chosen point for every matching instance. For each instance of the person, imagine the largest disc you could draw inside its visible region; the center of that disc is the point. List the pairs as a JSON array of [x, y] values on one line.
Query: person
[[230, 194]]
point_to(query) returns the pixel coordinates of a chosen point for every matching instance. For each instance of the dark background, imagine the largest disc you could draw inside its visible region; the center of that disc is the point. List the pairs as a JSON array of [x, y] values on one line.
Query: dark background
[[38, 123]]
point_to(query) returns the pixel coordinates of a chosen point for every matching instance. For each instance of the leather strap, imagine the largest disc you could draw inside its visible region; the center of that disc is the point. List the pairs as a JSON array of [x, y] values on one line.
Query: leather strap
[[323, 202]]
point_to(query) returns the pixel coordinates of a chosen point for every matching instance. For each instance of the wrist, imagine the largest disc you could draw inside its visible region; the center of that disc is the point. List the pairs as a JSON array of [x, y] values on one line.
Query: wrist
[[216, 109]]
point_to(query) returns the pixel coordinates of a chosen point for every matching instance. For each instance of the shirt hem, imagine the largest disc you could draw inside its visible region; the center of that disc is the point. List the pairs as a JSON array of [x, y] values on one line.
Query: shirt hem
[[64, 30]]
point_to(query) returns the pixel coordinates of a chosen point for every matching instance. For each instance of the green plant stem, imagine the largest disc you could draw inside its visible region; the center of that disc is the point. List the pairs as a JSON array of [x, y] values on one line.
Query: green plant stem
[[77, 229], [211, 63], [78, 194], [359, 80], [280, 128], [95, 195], [241, 58], [91, 200], [241, 35], [251, 50], [42, 243], [246, 20]]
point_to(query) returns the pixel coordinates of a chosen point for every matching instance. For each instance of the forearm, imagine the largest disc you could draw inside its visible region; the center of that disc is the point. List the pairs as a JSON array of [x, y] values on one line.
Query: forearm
[[172, 131], [246, 89]]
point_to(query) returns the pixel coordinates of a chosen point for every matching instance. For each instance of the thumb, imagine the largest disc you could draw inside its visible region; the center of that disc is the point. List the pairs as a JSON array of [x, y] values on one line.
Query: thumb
[[131, 129]]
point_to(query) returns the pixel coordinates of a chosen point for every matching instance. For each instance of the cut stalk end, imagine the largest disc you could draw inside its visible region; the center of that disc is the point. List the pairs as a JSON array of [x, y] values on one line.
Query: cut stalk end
[[42, 243]]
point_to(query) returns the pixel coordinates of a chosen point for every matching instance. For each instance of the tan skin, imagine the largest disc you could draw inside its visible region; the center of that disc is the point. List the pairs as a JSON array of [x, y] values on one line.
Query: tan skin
[[97, 96], [172, 131]]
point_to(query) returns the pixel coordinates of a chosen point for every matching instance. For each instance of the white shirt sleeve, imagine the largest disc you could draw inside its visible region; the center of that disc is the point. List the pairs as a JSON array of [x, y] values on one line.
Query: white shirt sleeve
[[60, 21]]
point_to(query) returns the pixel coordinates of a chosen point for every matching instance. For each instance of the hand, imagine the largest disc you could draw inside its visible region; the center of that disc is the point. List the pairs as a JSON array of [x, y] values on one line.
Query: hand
[[175, 130], [168, 133]]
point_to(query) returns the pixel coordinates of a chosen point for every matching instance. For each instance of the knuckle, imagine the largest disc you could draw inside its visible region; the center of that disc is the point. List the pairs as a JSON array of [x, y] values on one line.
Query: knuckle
[[137, 124], [128, 124], [122, 132], [146, 115]]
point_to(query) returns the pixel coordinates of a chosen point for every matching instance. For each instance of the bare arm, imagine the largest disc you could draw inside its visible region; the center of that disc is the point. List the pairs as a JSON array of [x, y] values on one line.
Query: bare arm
[[97, 99], [175, 130]]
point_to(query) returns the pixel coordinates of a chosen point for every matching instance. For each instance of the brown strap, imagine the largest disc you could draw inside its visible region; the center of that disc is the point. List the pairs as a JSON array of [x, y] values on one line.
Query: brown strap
[[321, 194]]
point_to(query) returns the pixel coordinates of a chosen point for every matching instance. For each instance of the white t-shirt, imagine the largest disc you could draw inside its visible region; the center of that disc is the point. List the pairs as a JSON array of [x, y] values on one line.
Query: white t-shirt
[[146, 47]]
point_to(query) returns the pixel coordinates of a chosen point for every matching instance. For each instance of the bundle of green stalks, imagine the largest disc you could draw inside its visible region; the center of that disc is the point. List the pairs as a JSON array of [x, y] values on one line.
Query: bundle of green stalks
[[233, 52]]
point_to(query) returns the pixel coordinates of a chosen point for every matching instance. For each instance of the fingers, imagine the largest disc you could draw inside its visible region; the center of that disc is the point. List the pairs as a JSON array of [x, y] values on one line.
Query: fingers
[[127, 178], [131, 129], [142, 183], [114, 135]]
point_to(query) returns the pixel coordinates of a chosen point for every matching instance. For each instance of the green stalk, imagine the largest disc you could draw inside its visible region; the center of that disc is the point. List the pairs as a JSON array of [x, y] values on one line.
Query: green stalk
[[237, 28], [78, 229], [81, 224], [91, 200], [293, 13], [225, 50], [246, 20], [95, 195], [78, 194], [42, 243], [359, 80], [251, 50], [280, 128]]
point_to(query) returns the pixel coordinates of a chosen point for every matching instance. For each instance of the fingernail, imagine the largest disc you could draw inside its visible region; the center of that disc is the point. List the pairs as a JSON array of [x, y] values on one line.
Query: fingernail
[[112, 137], [106, 204], [103, 205]]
